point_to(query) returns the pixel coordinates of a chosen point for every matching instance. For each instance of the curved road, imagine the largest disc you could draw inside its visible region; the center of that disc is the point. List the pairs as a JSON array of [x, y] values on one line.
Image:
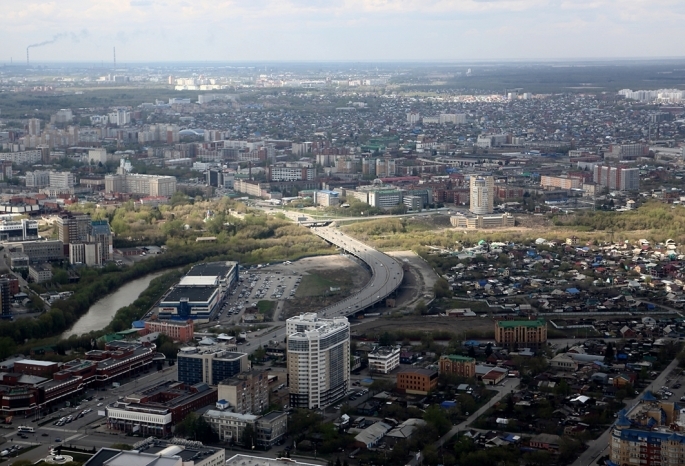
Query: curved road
[[386, 277]]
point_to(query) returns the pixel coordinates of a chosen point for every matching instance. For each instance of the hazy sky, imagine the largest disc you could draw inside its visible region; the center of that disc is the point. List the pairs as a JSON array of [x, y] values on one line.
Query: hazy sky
[[367, 30]]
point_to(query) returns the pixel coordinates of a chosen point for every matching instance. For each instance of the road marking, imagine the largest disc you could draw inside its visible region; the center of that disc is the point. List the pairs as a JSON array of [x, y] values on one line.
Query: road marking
[[74, 437]]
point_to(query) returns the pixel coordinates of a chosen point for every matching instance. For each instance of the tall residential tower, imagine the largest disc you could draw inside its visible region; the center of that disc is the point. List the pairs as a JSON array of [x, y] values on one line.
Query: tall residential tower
[[318, 360]]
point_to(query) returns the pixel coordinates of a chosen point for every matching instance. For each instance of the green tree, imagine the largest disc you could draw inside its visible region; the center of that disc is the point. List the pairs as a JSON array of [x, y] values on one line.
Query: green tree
[[436, 418], [442, 289], [249, 437], [609, 353]]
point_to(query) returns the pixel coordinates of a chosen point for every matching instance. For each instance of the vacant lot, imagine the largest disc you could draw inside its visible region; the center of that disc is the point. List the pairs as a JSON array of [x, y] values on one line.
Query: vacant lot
[[319, 275], [468, 327]]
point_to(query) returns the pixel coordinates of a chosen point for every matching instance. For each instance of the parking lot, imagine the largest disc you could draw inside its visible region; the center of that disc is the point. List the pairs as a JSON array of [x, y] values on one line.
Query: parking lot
[[266, 283]]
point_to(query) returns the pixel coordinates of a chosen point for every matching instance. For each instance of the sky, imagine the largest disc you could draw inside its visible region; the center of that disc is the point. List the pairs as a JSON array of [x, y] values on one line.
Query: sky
[[339, 30]]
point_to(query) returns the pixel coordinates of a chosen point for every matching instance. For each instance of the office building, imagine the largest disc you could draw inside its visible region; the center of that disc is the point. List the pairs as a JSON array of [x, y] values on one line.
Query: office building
[[155, 409], [40, 251], [269, 429], [462, 366], [89, 254], [482, 194], [101, 234], [417, 381], [384, 198], [18, 230], [651, 435], [142, 185], [210, 365], [156, 452], [515, 334], [470, 221], [37, 179], [327, 198], [384, 359], [247, 392], [40, 273], [318, 360], [62, 180], [275, 173]]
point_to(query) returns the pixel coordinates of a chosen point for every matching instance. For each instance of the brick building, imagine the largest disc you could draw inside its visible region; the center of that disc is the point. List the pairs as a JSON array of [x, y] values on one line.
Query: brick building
[[417, 381], [521, 333], [462, 366]]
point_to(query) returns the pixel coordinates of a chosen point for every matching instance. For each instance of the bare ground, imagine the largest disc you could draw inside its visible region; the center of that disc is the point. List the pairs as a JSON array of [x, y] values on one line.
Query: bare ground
[[349, 275], [457, 325]]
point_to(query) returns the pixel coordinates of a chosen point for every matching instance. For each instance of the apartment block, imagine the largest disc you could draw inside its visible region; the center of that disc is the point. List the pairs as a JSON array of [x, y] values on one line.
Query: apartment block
[[247, 392], [560, 182], [651, 435], [143, 185], [617, 178], [482, 194], [318, 360]]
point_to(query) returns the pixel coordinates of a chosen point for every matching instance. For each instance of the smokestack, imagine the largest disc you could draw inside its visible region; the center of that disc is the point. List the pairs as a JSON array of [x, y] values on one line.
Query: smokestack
[[27, 56]]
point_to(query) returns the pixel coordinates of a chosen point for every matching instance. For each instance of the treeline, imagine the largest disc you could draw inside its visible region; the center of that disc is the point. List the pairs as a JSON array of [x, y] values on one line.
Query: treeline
[[661, 220]]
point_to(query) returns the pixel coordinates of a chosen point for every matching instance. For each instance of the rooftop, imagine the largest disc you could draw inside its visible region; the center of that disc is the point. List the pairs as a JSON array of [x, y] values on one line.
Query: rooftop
[[212, 269], [457, 358], [193, 294], [521, 323], [246, 460]]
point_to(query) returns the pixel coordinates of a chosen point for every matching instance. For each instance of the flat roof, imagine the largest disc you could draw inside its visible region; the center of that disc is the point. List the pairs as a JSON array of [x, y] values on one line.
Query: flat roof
[[240, 460], [191, 293], [35, 362], [212, 269], [521, 323]]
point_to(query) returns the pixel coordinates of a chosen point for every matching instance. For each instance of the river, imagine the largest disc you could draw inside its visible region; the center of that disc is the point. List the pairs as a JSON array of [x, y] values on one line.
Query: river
[[102, 311]]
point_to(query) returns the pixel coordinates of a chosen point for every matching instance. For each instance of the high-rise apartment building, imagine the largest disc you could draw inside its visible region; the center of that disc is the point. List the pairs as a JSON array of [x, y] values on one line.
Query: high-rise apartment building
[[34, 127], [101, 234], [651, 435], [617, 178], [482, 194], [5, 308], [318, 360], [73, 228]]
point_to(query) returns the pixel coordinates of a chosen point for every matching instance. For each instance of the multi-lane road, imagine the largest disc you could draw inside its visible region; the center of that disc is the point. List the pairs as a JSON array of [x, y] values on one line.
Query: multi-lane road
[[386, 277]]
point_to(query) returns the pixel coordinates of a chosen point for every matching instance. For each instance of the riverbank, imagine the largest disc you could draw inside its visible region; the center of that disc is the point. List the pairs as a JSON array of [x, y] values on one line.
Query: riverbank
[[102, 312]]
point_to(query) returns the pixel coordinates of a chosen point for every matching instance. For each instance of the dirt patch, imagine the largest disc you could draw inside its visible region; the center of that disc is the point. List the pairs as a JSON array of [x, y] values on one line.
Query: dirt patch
[[321, 273], [419, 279], [462, 327]]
